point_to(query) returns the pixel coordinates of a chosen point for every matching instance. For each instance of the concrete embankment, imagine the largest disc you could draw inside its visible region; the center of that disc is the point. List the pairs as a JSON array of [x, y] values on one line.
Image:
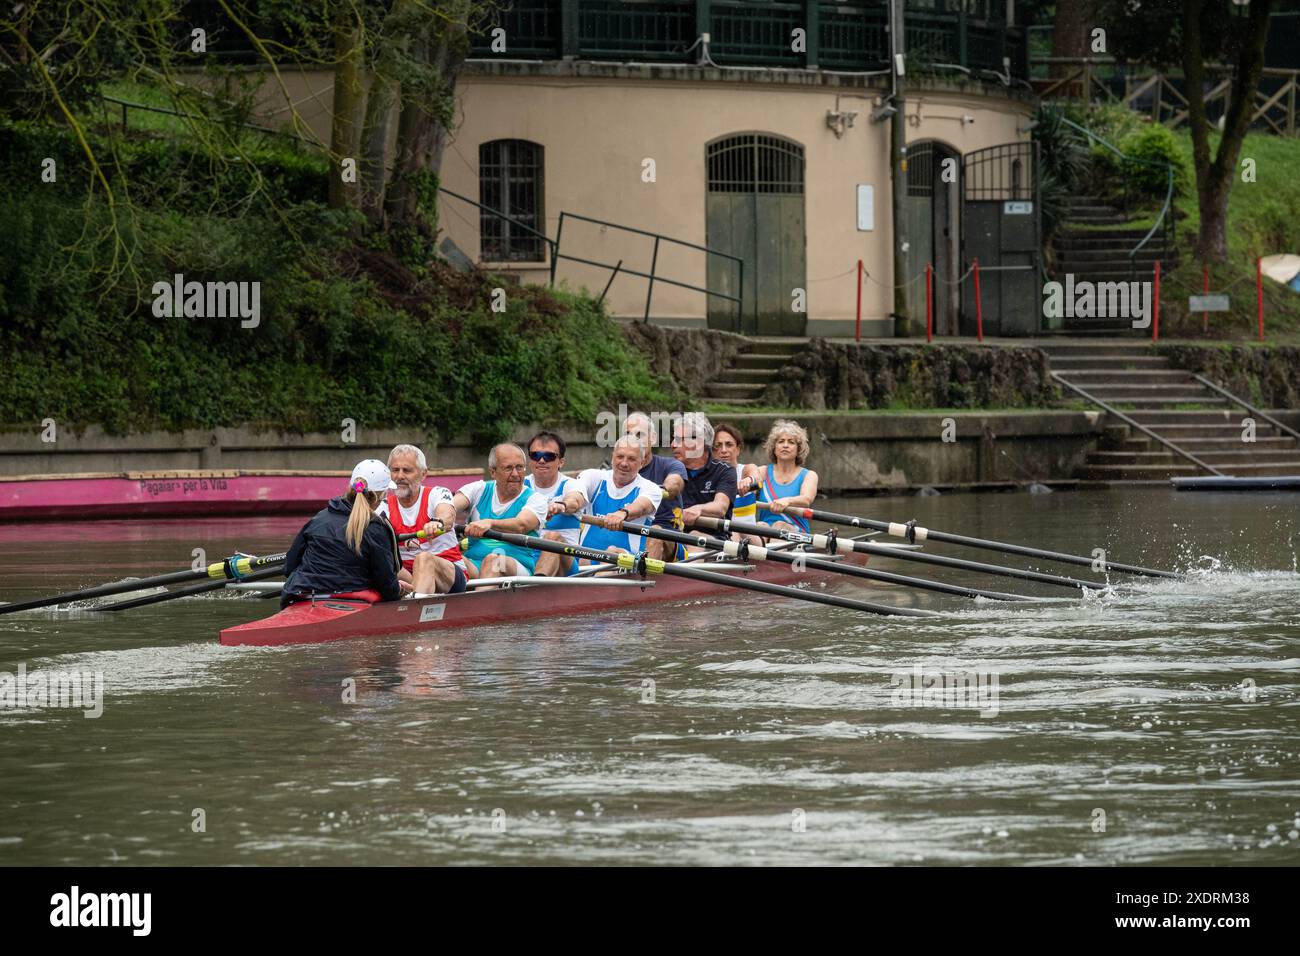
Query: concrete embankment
[[852, 452]]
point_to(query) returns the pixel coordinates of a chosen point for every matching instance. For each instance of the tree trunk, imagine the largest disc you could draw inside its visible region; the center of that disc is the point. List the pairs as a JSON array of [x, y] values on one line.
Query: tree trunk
[[426, 122], [1071, 31], [382, 110], [1214, 177], [349, 109]]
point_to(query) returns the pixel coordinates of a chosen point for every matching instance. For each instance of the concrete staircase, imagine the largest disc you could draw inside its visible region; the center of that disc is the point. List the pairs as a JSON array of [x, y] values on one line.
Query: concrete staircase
[[1174, 405], [742, 383], [1102, 254]]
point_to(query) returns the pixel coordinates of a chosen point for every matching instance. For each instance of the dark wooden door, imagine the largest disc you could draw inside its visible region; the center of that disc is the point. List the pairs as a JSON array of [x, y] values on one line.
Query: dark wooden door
[[755, 211]]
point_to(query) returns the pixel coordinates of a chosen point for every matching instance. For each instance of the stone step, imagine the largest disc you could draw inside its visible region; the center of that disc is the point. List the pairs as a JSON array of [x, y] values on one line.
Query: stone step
[[1182, 433], [1072, 364], [765, 360], [1129, 404], [1108, 253], [746, 376], [1223, 418], [1123, 391], [1198, 445], [729, 390], [740, 402], [1137, 472], [1095, 218], [776, 344], [1215, 458], [1136, 235], [1122, 376]]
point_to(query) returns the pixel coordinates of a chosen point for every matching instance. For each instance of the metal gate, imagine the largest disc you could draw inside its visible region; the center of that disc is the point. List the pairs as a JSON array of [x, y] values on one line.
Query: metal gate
[[1001, 227], [755, 211]]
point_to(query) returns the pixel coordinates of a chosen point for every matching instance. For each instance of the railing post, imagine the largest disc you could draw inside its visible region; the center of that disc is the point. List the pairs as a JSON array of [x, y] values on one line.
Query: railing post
[[650, 283], [570, 44], [703, 22], [555, 249], [812, 24], [857, 326], [929, 304], [979, 306], [1290, 106]]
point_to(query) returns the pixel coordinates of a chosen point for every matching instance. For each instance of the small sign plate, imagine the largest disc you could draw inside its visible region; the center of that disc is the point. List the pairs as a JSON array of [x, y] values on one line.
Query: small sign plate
[[866, 207], [432, 612], [1017, 209], [1207, 303]]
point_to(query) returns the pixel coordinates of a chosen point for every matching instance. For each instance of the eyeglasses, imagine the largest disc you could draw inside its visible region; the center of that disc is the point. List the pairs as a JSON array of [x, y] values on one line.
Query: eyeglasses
[[509, 469], [543, 455]]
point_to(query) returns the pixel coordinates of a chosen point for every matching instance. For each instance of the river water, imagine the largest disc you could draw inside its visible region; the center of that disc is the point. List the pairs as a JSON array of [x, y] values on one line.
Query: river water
[[1155, 724]]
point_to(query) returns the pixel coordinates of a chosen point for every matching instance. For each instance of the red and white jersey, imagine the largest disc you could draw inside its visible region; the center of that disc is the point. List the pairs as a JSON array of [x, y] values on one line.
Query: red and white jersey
[[406, 520]]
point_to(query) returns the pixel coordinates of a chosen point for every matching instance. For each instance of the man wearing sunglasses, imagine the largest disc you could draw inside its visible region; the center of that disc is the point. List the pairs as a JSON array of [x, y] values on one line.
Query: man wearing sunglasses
[[546, 457]]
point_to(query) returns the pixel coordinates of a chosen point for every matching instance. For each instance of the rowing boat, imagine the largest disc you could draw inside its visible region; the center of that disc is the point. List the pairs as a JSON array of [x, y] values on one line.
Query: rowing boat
[[520, 599]]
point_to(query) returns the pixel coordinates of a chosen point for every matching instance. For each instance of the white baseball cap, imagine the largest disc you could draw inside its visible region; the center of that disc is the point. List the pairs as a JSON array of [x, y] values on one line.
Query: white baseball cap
[[371, 475]]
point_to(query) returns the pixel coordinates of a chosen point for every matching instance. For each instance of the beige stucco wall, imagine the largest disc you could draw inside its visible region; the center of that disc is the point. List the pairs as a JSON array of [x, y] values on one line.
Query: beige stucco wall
[[599, 122]]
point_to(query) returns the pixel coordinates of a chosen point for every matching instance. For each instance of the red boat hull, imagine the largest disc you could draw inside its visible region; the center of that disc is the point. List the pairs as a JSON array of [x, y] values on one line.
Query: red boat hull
[[334, 620]]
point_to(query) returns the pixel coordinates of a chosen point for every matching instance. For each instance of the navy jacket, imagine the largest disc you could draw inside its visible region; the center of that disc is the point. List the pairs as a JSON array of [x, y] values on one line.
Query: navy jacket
[[322, 562]]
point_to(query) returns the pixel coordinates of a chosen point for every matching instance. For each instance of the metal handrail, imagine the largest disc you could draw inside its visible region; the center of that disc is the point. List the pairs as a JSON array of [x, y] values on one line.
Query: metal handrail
[[127, 104], [500, 215], [652, 276], [1139, 426], [1257, 412], [1169, 189]]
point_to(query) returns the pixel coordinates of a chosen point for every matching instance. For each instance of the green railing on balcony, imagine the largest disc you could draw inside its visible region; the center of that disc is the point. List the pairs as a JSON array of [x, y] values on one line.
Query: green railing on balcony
[[843, 35]]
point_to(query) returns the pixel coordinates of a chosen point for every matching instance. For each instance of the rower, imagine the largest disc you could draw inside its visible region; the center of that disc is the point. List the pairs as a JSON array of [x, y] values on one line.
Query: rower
[[710, 484], [347, 549], [614, 495], [500, 504], [433, 565], [546, 453], [785, 483], [668, 473], [728, 446]]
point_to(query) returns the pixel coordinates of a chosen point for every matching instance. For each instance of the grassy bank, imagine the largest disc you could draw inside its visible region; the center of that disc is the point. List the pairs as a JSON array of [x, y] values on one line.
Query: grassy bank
[[347, 329]]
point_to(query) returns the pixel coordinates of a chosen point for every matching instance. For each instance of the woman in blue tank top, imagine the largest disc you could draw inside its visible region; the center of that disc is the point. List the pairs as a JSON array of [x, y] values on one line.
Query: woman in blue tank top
[[784, 484]]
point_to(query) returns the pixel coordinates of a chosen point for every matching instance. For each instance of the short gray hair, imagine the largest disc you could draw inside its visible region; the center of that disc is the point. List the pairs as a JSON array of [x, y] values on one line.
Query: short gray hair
[[492, 455], [699, 425], [420, 461], [639, 416]]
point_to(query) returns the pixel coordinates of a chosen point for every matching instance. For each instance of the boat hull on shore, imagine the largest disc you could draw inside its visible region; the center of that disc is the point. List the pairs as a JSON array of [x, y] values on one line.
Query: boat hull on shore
[[330, 619], [188, 494]]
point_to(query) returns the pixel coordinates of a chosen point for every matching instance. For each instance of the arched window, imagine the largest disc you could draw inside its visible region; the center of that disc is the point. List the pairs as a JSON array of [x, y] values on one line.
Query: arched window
[[754, 163], [510, 181]]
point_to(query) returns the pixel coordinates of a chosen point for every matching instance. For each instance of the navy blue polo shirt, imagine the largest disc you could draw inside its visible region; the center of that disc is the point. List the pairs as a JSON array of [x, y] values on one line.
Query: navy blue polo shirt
[[704, 483], [657, 470]]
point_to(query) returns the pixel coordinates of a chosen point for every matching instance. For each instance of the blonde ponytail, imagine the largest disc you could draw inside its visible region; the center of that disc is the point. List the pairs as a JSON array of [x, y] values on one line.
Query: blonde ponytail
[[363, 512]]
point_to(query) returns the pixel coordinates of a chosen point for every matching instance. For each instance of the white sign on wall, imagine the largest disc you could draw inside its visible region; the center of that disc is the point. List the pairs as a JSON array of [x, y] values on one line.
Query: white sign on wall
[[866, 208], [1017, 208]]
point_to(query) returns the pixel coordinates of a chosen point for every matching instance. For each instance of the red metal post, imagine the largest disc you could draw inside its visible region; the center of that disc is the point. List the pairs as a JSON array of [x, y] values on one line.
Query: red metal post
[[857, 329], [929, 304], [979, 306], [1155, 325], [1259, 295]]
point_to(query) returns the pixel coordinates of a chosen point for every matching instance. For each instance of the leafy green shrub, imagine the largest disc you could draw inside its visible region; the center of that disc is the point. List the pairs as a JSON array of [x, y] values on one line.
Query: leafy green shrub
[[1147, 152]]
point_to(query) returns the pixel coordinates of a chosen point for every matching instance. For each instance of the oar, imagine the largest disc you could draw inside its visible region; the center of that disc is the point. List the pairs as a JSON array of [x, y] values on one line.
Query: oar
[[232, 568], [744, 551], [640, 564], [912, 532], [187, 592], [236, 566], [847, 545]]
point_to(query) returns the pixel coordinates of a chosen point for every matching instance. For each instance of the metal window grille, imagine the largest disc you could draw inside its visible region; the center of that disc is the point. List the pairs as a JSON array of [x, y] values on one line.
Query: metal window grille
[[511, 182], [920, 169], [753, 162]]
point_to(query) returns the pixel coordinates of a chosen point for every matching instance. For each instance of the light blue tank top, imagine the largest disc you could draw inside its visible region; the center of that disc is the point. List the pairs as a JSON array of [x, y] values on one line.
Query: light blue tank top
[[769, 489], [480, 548]]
